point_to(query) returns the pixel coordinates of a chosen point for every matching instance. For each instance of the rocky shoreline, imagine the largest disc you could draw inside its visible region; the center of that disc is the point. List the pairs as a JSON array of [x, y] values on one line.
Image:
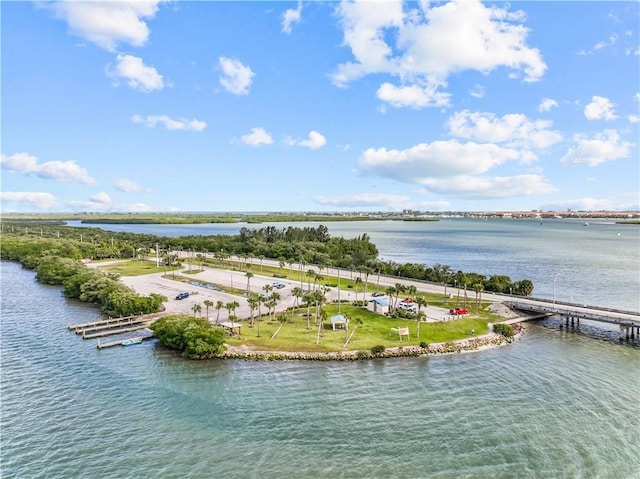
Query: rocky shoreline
[[454, 347]]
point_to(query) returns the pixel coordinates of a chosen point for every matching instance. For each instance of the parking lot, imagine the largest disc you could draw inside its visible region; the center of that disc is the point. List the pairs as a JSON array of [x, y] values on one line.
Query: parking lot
[[155, 283]]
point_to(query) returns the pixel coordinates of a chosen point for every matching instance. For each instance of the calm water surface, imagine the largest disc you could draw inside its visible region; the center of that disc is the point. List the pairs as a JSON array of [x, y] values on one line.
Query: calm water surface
[[552, 405]]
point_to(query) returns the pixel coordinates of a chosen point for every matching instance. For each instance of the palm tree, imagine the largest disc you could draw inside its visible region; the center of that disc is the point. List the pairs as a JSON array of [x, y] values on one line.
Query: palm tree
[[400, 288], [297, 294], [219, 306], [420, 301], [231, 307], [273, 303], [196, 308], [253, 301], [310, 274], [367, 271], [249, 275], [478, 289], [357, 283], [307, 300], [318, 299], [207, 303], [419, 317], [391, 291]]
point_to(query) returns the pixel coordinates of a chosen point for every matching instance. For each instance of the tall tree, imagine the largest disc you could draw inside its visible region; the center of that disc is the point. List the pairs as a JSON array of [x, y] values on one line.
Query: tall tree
[[249, 275], [207, 303], [219, 306]]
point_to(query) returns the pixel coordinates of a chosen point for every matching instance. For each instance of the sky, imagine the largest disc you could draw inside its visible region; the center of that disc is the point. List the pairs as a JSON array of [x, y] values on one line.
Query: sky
[[312, 106]]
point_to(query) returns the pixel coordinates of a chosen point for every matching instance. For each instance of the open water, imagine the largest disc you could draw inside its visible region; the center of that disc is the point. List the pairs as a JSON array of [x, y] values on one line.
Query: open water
[[555, 404]]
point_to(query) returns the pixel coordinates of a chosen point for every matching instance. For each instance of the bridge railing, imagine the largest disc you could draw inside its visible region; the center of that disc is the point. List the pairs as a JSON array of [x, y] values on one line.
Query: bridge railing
[[575, 305]]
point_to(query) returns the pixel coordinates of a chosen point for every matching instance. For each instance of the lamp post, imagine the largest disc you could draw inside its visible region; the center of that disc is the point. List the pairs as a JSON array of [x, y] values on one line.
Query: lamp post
[[554, 288]]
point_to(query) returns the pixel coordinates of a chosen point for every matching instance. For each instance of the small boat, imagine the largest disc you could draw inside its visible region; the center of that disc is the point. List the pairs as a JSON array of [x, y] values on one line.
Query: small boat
[[131, 342]]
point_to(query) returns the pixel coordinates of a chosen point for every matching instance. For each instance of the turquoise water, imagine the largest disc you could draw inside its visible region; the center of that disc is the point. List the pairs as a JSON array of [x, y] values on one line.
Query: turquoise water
[[552, 405]]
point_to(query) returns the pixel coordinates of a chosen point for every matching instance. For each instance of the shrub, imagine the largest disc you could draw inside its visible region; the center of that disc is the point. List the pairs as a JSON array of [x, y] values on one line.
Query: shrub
[[195, 337], [504, 329], [377, 350], [424, 345]]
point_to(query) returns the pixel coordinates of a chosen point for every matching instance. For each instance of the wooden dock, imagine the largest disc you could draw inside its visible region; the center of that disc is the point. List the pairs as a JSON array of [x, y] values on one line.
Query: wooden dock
[[119, 342], [111, 326]]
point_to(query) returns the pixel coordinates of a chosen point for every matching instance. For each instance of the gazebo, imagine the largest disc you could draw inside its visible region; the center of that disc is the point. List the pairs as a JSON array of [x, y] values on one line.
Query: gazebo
[[340, 322], [231, 327]]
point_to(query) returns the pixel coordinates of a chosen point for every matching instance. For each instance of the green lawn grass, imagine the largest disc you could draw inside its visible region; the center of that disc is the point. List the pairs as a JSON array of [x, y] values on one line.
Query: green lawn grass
[[371, 329], [134, 268]]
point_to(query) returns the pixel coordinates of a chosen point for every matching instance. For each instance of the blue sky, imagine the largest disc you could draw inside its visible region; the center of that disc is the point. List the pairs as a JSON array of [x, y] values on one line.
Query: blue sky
[[319, 106]]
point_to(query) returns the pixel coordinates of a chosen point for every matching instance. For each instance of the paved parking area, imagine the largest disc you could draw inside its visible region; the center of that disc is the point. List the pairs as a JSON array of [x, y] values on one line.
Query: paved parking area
[[155, 283]]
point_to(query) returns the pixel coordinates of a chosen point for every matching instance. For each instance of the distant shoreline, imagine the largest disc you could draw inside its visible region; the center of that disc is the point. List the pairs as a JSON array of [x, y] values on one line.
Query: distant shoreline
[[625, 217]]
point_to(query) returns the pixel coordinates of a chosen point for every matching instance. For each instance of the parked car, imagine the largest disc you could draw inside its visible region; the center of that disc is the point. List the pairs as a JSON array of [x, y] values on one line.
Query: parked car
[[278, 285], [408, 307], [377, 294], [182, 295]]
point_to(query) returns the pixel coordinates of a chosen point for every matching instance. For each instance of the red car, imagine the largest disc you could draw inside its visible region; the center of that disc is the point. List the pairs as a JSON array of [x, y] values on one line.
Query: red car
[[458, 311]]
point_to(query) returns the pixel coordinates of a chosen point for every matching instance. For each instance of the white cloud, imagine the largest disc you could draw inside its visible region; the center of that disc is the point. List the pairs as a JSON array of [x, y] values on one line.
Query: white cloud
[[431, 43], [364, 200], [25, 164], [612, 40], [602, 147], [413, 96], [257, 137], [169, 123], [512, 129], [547, 104], [597, 204], [477, 91], [236, 78], [490, 187], [600, 108], [108, 23], [138, 75], [127, 186], [102, 198], [39, 200], [440, 159], [291, 16], [633, 119], [381, 201], [314, 141], [93, 205]]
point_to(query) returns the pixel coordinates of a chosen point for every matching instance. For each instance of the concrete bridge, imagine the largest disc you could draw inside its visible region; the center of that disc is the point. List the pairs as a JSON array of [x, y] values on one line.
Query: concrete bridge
[[628, 321]]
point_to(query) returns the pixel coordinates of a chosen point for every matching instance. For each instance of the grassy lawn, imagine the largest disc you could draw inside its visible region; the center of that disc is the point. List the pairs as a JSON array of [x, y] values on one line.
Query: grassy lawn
[[135, 268], [370, 330]]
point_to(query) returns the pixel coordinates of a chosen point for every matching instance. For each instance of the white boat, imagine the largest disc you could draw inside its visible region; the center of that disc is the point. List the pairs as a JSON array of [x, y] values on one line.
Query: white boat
[[131, 342]]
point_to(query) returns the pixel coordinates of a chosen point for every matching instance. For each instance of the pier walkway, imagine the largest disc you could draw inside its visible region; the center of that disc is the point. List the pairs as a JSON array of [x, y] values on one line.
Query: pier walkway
[[112, 326], [628, 321]]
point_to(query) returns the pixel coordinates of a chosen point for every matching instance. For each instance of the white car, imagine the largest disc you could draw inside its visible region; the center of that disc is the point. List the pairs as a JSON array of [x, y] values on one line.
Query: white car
[[408, 307]]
